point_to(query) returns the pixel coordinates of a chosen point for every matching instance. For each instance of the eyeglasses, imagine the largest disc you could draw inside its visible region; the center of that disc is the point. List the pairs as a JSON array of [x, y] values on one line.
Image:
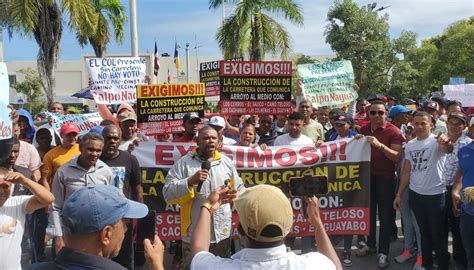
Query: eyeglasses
[[377, 112]]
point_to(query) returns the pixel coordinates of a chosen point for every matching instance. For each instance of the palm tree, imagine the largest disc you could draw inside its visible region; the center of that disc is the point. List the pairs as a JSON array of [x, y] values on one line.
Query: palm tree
[[99, 39], [43, 20], [251, 27]]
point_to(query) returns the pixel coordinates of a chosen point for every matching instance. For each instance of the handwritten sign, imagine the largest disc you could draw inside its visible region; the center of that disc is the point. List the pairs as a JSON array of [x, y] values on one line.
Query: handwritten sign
[[6, 128], [113, 80], [461, 92], [329, 83]]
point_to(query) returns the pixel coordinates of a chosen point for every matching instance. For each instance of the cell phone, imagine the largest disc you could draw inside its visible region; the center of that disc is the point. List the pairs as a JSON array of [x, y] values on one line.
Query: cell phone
[[308, 185], [146, 227]]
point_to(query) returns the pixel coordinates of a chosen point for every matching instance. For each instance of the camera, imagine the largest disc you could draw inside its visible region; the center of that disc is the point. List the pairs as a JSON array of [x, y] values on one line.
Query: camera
[[308, 185]]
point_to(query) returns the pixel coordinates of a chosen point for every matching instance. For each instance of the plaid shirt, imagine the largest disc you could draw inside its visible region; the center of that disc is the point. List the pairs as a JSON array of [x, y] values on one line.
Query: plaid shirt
[[452, 164]]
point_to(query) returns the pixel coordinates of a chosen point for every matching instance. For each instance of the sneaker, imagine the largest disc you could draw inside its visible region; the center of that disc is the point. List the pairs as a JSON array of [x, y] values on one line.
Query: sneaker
[[364, 251], [418, 264], [346, 258], [405, 256], [383, 260]]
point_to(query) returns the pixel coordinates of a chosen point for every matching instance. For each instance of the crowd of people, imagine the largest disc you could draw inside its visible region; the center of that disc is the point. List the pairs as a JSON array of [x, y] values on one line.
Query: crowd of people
[[83, 192]]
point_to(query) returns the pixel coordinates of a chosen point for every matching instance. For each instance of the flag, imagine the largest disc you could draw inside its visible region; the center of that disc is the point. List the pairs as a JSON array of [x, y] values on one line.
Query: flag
[[156, 65], [169, 76], [176, 56]]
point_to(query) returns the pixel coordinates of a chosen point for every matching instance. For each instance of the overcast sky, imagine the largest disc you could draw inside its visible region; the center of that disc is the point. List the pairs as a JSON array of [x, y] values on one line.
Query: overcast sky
[[163, 20]]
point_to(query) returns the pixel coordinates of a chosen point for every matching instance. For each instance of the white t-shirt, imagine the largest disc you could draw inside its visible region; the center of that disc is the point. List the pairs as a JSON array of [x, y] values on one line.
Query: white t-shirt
[[12, 221], [427, 165], [262, 258], [285, 139]]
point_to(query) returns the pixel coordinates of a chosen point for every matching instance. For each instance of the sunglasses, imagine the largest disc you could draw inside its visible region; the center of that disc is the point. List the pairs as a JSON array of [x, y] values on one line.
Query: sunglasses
[[377, 112]]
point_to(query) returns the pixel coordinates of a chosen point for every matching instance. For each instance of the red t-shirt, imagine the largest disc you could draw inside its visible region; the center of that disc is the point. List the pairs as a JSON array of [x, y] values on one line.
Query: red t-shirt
[[387, 134]]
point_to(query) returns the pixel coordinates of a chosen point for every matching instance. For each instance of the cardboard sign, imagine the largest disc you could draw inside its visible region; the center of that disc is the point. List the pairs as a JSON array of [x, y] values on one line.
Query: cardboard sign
[[328, 83], [255, 87], [6, 126], [114, 80], [161, 107]]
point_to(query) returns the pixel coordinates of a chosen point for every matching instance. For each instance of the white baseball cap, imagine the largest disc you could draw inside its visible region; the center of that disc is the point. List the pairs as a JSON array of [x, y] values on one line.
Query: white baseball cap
[[217, 121]]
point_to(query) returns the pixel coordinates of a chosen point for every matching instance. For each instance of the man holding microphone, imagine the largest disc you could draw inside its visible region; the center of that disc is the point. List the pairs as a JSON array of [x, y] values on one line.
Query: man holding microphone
[[191, 180]]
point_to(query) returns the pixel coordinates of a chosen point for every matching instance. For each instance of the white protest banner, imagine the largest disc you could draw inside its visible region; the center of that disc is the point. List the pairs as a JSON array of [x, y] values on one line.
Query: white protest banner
[[344, 210], [84, 121], [6, 127], [329, 83], [114, 80], [463, 93]]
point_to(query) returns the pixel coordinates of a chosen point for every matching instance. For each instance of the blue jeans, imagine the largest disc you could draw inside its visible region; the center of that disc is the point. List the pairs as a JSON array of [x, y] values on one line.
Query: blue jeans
[[410, 226], [430, 211], [467, 232]]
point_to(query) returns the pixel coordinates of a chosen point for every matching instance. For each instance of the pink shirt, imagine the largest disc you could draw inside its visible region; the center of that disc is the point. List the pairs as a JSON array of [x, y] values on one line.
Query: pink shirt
[[28, 157]]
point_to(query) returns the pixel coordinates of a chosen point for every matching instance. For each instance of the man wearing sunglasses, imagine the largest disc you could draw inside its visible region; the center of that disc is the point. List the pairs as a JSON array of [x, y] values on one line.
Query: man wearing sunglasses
[[386, 141]]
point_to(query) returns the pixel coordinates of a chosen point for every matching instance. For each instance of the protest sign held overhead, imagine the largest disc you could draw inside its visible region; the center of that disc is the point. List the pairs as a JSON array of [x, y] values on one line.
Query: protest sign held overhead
[[329, 83], [6, 127], [84, 121], [344, 210], [114, 80], [255, 87], [461, 92], [209, 75], [161, 107]]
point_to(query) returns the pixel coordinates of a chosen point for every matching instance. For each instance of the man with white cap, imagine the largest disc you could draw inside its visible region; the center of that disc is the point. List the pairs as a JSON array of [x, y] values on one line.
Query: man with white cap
[[218, 123], [94, 220], [266, 218]]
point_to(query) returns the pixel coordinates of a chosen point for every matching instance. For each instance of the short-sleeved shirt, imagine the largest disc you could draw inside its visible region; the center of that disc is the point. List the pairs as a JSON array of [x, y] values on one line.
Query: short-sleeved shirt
[[466, 161], [126, 171], [28, 157], [262, 258], [12, 221], [57, 157], [387, 134], [426, 166], [314, 130], [452, 159], [286, 139]]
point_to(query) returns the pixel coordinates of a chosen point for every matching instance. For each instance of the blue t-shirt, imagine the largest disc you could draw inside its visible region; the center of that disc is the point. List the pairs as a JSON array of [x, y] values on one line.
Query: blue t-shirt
[[466, 159]]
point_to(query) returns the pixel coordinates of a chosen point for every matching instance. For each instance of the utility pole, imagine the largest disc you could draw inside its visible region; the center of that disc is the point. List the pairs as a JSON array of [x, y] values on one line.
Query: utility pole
[[133, 27], [187, 63]]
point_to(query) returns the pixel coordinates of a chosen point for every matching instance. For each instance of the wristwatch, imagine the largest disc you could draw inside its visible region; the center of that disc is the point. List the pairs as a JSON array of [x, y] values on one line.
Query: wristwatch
[[208, 206]]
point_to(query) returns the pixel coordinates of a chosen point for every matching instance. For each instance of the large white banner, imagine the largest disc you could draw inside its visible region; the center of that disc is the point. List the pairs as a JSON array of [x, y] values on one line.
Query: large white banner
[[114, 80], [463, 93], [6, 127]]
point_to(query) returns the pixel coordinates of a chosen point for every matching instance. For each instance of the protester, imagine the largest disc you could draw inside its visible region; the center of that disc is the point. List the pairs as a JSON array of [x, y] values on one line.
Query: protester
[[181, 187], [94, 219], [13, 210], [278, 126], [85, 109], [28, 156], [400, 116], [312, 128], [218, 123], [266, 218], [43, 139], [191, 123], [386, 151], [422, 171], [265, 134], [463, 199], [128, 125], [61, 154], [456, 124], [453, 106], [85, 170], [432, 107], [27, 126], [295, 130], [57, 108], [333, 114], [322, 116], [247, 137], [127, 178]]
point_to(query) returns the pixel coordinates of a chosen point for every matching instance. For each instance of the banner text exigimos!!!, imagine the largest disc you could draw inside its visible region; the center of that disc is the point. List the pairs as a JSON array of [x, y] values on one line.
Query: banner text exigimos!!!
[[344, 210]]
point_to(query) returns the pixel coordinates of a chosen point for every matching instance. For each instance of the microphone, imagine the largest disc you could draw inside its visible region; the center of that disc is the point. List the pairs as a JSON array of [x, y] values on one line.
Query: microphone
[[206, 165]]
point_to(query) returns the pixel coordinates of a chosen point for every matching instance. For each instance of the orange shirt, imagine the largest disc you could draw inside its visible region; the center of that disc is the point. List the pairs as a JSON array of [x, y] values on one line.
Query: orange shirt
[[55, 158]]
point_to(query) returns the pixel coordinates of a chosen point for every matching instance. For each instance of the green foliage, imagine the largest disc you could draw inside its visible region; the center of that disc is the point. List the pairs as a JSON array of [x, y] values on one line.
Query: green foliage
[[251, 28], [360, 35], [32, 88]]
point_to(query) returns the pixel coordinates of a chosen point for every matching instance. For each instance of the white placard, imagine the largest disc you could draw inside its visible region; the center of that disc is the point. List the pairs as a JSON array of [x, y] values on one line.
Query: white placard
[[463, 93], [6, 128]]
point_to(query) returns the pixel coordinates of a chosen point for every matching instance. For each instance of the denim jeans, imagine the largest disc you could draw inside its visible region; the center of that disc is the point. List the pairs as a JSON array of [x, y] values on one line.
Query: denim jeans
[[382, 194], [467, 231], [411, 230], [452, 224], [430, 211]]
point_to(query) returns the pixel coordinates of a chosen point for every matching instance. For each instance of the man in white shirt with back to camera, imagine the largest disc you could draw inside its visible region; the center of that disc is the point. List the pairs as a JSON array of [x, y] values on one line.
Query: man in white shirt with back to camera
[[266, 218]]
